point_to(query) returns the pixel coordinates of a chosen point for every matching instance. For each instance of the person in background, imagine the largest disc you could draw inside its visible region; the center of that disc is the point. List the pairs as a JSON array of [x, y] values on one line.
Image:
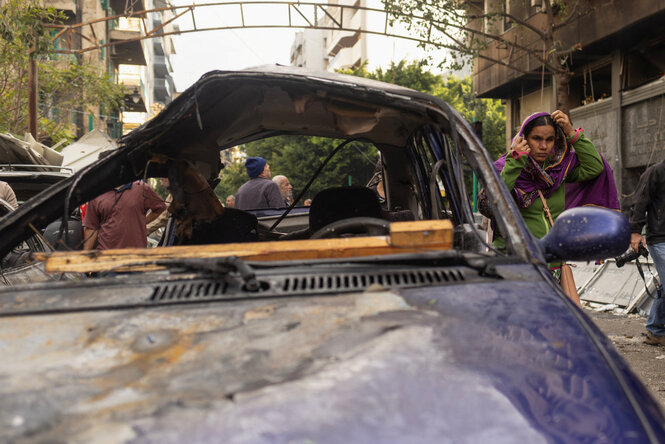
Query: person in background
[[285, 189], [163, 217], [376, 184], [550, 167], [550, 157], [230, 201], [118, 218], [7, 194], [308, 202], [649, 210], [259, 191]]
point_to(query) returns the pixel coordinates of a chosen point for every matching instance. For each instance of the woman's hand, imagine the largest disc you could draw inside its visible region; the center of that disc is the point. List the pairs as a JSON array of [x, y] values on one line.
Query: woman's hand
[[561, 119], [520, 145]]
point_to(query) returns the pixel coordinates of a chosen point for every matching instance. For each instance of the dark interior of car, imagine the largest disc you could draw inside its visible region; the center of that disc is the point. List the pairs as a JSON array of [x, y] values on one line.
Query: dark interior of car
[[334, 212]]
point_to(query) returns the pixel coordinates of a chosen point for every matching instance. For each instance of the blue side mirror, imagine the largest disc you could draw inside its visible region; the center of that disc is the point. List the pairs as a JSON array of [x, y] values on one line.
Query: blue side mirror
[[587, 233]]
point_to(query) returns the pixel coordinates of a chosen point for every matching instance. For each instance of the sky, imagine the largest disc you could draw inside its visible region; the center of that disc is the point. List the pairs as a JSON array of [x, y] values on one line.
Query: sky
[[200, 52]]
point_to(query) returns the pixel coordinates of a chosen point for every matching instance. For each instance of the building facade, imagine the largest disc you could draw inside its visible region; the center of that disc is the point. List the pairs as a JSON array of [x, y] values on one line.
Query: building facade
[[309, 50], [616, 91], [142, 65], [362, 41]]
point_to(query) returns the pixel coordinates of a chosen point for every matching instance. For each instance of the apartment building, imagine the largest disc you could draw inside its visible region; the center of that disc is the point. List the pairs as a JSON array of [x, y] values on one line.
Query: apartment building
[[346, 48], [309, 50], [361, 41], [143, 66], [617, 89]]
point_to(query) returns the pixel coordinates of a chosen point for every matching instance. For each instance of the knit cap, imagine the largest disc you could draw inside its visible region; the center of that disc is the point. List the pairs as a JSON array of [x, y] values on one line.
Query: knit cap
[[254, 166]]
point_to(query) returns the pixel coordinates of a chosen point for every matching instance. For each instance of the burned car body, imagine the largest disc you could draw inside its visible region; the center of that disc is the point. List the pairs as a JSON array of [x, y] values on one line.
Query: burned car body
[[28, 180], [420, 333]]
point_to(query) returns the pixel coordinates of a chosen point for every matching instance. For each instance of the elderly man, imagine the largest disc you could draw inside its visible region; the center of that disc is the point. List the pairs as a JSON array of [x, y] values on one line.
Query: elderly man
[[259, 191], [230, 201], [285, 189]]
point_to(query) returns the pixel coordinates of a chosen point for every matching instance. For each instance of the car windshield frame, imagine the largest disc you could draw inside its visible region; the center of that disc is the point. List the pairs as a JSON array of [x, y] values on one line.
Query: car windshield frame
[[185, 127]]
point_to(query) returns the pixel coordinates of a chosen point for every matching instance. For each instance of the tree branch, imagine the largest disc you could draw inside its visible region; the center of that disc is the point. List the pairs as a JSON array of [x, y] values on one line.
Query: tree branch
[[533, 52], [567, 20], [477, 54], [576, 47]]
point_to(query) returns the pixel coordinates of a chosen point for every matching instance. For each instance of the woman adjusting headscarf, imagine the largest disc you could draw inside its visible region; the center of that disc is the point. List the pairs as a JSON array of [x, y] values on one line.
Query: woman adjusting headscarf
[[550, 156]]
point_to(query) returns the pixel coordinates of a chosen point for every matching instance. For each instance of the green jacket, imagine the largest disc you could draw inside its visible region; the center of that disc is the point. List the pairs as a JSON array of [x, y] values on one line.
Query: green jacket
[[590, 167]]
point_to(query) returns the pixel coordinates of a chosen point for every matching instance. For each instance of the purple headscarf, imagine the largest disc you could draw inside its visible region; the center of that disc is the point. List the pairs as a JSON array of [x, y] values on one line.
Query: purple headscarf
[[600, 191]]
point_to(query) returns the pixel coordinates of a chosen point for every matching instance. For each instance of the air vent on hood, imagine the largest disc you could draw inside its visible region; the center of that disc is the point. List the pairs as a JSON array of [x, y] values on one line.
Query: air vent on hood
[[189, 290], [313, 283], [360, 281]]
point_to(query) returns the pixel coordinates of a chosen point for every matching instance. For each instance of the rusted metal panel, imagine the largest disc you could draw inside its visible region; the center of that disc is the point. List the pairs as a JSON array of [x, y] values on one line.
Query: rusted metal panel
[[383, 366], [91, 376]]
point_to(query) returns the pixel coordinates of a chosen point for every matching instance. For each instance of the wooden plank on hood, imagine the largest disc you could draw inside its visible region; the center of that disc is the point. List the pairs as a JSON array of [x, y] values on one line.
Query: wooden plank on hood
[[405, 237]]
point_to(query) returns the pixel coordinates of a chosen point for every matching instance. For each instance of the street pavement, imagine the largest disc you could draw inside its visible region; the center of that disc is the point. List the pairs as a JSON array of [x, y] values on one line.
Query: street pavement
[[647, 361]]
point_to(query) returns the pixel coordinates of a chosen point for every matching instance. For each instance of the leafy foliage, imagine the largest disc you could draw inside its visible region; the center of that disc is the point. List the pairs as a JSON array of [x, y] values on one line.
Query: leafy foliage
[[490, 112], [231, 177], [298, 157], [65, 86], [410, 75]]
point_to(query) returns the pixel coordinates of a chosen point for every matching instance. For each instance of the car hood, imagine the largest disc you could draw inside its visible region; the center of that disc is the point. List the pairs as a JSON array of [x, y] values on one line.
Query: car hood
[[466, 363]]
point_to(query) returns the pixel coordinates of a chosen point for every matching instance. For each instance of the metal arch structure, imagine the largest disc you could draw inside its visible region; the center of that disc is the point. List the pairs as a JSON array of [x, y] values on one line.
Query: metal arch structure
[[298, 15]]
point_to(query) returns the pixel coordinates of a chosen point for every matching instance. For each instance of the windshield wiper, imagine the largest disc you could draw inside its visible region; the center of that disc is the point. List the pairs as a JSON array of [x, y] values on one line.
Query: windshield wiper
[[217, 267]]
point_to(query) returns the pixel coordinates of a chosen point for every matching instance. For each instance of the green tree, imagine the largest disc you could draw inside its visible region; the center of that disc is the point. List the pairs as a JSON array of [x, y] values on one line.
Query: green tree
[[64, 84], [490, 112], [408, 74], [298, 157], [231, 177]]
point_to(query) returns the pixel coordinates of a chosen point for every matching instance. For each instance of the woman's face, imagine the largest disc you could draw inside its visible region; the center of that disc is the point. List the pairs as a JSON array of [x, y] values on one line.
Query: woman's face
[[541, 142]]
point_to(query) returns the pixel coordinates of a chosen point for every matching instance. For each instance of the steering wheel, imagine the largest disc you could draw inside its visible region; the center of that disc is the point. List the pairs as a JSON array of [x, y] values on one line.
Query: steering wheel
[[370, 226]]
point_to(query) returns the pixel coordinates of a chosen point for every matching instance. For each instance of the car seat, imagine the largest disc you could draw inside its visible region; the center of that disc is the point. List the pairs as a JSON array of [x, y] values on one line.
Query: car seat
[[232, 225], [333, 204]]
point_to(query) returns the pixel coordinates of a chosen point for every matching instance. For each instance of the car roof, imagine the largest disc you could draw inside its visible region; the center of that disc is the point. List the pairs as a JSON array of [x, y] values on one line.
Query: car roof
[[275, 99]]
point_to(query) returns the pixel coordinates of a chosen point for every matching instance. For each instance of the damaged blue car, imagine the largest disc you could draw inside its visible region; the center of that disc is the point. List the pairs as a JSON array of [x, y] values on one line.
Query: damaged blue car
[[364, 321]]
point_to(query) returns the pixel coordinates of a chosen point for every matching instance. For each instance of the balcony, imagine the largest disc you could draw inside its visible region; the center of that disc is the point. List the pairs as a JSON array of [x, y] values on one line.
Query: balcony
[[134, 100], [163, 91], [161, 66], [343, 39], [130, 52], [157, 47], [347, 58]]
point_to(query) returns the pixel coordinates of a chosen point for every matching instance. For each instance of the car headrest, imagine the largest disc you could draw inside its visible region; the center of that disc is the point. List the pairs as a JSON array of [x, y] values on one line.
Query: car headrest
[[334, 204]]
